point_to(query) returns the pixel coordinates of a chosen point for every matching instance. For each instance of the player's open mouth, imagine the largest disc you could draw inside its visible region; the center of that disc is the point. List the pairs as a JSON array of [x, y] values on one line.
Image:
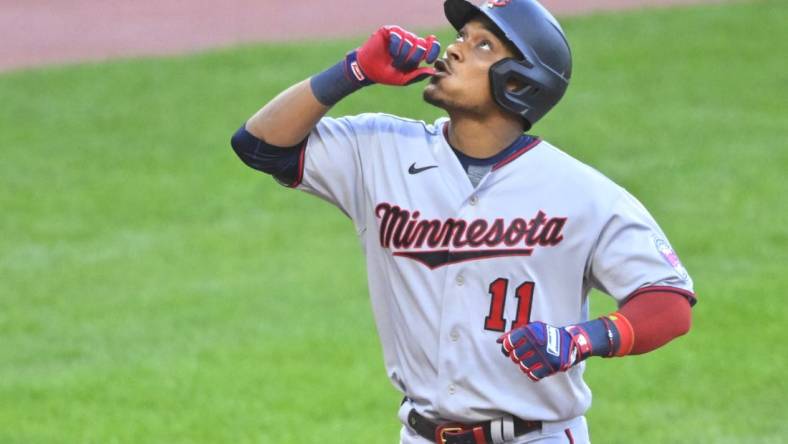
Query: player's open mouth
[[441, 68]]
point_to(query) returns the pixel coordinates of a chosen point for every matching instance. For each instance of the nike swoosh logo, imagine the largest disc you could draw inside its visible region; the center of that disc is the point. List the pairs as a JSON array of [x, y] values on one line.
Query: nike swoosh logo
[[414, 170]]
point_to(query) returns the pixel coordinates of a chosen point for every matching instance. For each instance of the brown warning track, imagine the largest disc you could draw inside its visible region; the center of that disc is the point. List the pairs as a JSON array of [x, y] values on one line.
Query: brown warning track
[[40, 32]]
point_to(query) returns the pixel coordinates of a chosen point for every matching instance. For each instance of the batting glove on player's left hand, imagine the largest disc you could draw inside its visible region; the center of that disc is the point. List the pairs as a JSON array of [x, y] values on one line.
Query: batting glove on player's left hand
[[542, 350]]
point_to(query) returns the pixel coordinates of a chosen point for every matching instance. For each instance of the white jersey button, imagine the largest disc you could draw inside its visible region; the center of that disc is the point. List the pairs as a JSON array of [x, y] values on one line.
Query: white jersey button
[[460, 280], [454, 335], [474, 200], [452, 389]]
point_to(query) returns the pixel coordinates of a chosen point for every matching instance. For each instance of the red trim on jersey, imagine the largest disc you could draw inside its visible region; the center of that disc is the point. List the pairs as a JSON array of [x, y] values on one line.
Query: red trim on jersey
[[569, 436], [510, 158], [690, 296], [516, 154], [300, 175]]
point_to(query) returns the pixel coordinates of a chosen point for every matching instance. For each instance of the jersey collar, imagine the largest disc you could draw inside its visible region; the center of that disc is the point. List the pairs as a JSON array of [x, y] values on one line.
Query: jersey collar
[[520, 146]]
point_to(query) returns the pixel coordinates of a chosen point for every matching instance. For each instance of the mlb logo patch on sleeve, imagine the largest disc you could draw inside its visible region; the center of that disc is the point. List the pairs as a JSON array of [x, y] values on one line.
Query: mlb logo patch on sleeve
[[670, 256]]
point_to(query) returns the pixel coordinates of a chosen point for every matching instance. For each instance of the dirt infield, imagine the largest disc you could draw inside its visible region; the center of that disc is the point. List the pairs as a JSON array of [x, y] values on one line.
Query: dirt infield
[[39, 32]]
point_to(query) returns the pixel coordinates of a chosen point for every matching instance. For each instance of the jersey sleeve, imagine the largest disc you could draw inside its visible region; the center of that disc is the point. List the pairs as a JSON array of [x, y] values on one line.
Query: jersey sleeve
[[633, 255], [330, 166]]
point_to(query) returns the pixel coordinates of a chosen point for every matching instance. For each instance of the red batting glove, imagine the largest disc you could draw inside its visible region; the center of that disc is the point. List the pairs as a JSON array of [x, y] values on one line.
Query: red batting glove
[[392, 56]]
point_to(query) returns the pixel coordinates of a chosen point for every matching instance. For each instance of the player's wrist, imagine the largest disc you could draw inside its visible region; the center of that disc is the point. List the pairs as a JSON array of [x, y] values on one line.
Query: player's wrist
[[606, 336], [626, 333], [340, 80]]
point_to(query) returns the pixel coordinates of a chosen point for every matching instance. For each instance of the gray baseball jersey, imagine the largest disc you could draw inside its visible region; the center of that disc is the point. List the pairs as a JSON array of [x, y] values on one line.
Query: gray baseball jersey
[[452, 266]]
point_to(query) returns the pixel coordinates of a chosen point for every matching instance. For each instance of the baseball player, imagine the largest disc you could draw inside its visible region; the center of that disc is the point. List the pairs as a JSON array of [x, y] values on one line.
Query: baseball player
[[482, 243]]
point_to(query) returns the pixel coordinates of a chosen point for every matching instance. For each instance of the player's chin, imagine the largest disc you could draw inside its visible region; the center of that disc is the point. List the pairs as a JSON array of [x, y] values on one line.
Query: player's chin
[[432, 94]]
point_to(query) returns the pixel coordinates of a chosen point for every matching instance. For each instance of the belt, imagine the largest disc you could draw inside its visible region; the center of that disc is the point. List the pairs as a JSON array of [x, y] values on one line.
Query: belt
[[454, 433]]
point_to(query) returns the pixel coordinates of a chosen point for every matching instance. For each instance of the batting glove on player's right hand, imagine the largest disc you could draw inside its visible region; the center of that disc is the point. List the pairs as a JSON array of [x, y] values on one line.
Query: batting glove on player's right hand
[[542, 350], [392, 56]]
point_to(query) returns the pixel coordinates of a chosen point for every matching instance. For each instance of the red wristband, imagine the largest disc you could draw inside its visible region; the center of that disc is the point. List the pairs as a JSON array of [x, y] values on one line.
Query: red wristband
[[625, 332]]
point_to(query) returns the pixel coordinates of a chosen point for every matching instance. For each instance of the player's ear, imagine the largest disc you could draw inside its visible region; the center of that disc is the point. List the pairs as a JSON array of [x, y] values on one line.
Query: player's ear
[[513, 84]]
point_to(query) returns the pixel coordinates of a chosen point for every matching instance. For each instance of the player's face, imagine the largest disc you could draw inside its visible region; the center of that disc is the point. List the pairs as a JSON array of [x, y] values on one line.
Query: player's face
[[462, 81]]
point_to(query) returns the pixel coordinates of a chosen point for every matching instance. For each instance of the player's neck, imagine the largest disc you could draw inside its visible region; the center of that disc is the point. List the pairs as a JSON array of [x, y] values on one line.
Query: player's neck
[[482, 138]]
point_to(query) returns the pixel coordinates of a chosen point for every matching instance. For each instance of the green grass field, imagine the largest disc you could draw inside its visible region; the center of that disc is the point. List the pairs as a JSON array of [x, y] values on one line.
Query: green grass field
[[155, 290]]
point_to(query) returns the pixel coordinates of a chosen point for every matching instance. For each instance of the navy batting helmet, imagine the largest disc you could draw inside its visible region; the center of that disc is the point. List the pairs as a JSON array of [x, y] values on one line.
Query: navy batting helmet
[[547, 61]]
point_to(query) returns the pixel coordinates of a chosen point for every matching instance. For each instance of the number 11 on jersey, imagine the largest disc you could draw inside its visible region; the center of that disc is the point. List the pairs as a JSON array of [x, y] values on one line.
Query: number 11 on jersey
[[498, 290]]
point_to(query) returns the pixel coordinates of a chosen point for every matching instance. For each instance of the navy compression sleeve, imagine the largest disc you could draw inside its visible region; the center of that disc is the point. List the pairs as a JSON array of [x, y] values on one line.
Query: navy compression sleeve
[[284, 163]]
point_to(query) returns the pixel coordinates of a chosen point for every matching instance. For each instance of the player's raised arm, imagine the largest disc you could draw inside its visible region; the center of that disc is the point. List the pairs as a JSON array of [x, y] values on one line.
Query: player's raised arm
[[390, 56]]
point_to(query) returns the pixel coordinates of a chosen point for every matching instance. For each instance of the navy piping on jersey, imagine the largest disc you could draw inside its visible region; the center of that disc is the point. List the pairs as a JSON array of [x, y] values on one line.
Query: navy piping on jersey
[[520, 146], [528, 141]]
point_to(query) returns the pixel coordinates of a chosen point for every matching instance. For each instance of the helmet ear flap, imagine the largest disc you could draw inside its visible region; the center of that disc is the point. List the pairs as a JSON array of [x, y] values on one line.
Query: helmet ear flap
[[523, 89], [513, 89]]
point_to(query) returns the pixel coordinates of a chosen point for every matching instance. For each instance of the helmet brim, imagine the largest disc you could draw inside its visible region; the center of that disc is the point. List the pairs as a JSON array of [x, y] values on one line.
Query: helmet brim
[[458, 12]]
